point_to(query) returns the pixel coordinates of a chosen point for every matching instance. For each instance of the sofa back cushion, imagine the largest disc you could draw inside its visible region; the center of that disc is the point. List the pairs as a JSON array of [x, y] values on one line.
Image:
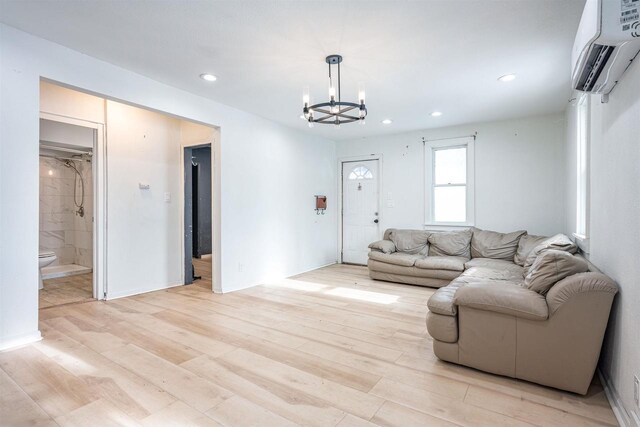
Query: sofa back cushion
[[450, 243], [526, 244], [410, 241], [558, 242], [494, 245], [552, 266]]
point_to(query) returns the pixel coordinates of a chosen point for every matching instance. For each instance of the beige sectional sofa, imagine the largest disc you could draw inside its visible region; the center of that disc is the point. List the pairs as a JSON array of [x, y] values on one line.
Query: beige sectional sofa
[[512, 304]]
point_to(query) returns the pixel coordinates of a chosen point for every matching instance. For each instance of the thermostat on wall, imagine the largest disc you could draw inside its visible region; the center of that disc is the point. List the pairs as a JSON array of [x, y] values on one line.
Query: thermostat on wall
[[143, 186]]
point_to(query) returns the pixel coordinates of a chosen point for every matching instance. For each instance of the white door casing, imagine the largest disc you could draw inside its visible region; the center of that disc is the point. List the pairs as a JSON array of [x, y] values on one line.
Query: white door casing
[[360, 203]]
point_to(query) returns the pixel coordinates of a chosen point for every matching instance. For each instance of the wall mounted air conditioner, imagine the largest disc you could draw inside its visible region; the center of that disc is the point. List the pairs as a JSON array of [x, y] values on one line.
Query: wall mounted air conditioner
[[608, 39]]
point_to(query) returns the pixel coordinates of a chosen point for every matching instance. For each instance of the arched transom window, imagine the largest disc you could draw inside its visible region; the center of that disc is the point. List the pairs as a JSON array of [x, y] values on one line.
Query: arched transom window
[[360, 172]]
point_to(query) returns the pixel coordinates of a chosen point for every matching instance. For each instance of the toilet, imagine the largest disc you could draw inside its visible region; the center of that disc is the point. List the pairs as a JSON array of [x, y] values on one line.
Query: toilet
[[44, 259]]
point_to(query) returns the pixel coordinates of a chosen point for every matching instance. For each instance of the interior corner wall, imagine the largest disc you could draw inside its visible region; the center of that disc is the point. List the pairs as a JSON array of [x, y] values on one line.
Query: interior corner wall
[[519, 170], [269, 175], [614, 226]]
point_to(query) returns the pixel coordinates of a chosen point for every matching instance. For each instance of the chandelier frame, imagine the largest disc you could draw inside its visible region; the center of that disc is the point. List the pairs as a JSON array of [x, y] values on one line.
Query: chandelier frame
[[336, 111]]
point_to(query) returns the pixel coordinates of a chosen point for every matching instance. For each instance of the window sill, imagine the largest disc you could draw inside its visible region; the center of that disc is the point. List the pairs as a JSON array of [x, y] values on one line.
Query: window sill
[[444, 226], [582, 241]]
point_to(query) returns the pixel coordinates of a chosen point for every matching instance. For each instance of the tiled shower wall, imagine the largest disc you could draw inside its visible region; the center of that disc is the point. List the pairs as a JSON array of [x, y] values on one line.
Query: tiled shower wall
[[61, 229]]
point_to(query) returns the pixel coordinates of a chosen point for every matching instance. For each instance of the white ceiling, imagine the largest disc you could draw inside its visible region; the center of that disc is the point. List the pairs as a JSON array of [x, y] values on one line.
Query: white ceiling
[[414, 57]]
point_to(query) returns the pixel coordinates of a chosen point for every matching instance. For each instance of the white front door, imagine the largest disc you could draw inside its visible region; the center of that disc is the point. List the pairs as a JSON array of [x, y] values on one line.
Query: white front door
[[359, 209]]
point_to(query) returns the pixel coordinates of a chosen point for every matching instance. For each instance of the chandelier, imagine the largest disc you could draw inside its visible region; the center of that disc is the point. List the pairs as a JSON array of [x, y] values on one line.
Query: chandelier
[[336, 111]]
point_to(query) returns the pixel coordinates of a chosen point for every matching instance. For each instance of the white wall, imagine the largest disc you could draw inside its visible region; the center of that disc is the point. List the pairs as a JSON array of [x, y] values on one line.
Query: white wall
[[144, 234], [615, 222], [269, 175], [519, 169]]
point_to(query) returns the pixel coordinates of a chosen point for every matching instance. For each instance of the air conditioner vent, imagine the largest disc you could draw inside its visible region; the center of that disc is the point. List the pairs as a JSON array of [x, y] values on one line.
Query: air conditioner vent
[[595, 64]]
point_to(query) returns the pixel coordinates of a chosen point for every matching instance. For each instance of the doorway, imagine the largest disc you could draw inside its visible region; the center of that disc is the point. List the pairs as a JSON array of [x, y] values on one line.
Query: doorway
[[198, 215], [69, 208], [360, 209]]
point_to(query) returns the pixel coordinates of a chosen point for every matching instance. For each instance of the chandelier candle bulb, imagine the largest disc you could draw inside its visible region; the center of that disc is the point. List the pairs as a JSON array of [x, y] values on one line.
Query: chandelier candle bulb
[[335, 111], [361, 92], [305, 96]]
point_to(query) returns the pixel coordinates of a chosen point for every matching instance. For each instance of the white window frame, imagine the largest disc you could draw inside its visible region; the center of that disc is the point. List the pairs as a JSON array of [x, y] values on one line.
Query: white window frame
[[583, 129], [429, 162]]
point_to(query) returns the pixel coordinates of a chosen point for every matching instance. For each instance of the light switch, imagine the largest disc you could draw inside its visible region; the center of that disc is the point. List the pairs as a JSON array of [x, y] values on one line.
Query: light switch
[[389, 203], [167, 197]]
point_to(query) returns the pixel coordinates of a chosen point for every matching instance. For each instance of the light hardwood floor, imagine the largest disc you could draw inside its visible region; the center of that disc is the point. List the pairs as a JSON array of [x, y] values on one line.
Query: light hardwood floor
[[328, 347], [202, 268], [66, 290]]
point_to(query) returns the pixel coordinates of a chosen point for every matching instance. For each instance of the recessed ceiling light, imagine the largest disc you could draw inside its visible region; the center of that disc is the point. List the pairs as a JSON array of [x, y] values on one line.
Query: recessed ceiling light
[[208, 77], [507, 78], [387, 121], [436, 114]]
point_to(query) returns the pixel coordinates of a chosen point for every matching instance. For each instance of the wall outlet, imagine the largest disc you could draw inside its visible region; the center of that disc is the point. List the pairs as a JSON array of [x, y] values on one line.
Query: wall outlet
[[240, 267], [167, 197], [636, 390]]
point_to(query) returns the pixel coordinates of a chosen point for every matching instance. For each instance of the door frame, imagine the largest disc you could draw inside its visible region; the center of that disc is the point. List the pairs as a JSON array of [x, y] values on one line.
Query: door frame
[[99, 172], [355, 159], [216, 275]]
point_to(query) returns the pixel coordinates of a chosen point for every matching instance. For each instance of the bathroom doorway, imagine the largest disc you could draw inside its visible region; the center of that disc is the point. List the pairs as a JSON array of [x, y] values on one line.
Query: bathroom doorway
[[198, 215], [69, 150]]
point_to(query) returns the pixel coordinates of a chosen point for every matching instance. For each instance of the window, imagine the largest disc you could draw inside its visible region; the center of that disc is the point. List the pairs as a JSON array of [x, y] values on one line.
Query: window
[[449, 182], [582, 171], [360, 172]]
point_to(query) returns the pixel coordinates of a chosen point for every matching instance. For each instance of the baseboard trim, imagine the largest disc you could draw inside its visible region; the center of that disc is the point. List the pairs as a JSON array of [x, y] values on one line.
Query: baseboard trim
[[279, 278], [314, 268], [20, 341], [624, 417], [141, 291]]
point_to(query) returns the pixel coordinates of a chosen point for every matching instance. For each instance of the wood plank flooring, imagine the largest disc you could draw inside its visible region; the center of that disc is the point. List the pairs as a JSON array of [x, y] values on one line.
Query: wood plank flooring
[[66, 290], [326, 348], [202, 268]]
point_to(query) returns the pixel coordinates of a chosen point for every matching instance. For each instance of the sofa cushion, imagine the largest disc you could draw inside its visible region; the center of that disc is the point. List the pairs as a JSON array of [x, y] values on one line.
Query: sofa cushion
[[400, 270], [507, 271], [503, 297], [558, 242], [550, 267], [385, 246], [525, 245], [450, 243], [491, 244], [492, 263], [454, 263], [396, 258], [410, 241]]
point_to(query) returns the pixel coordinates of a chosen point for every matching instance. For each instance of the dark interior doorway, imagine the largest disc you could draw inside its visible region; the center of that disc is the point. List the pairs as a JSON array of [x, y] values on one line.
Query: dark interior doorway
[[197, 214]]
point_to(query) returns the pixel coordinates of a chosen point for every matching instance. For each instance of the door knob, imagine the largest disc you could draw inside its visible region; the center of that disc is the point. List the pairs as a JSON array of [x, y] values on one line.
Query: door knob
[[375, 220]]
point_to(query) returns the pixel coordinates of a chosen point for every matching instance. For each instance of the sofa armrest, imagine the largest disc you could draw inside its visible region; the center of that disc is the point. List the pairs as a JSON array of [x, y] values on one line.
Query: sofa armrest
[[441, 302], [505, 298], [576, 284], [385, 246]]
